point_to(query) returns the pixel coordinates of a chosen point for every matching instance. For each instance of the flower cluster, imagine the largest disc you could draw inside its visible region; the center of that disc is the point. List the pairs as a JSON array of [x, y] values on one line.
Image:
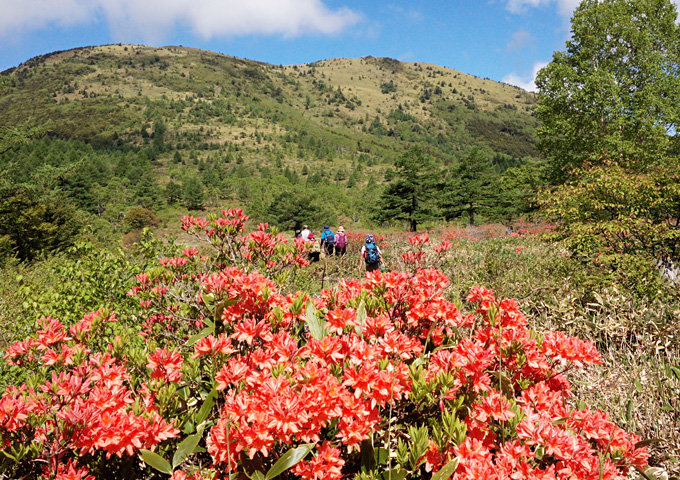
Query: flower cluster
[[86, 405], [232, 376], [264, 250], [418, 256]]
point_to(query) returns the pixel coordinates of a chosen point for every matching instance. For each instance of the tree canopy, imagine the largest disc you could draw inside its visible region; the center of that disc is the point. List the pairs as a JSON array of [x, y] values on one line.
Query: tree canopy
[[610, 106], [471, 186], [615, 92]]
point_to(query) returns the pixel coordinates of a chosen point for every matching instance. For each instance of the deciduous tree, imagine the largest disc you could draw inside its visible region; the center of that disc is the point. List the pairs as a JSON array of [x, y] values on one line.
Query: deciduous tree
[[610, 107], [615, 92]]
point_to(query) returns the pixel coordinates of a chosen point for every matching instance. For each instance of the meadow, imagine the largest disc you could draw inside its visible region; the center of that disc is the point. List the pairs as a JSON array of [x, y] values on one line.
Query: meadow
[[226, 353]]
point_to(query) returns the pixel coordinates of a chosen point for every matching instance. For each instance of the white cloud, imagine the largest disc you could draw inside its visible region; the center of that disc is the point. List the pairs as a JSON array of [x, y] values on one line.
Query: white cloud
[[527, 83], [564, 7], [153, 19], [519, 41], [37, 13]]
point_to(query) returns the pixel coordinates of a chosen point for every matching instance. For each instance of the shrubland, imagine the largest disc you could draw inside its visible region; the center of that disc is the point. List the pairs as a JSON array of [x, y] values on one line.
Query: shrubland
[[228, 356]]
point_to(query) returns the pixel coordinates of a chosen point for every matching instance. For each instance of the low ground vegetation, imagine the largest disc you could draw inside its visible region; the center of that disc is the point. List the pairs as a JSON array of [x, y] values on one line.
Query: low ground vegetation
[[214, 357]]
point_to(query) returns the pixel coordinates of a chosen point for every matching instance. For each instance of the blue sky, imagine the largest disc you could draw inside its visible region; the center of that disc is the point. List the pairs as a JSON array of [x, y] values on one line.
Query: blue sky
[[505, 40]]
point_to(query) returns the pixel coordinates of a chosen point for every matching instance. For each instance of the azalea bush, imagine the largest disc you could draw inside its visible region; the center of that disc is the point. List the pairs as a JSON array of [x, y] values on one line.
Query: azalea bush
[[420, 256], [226, 377], [622, 219]]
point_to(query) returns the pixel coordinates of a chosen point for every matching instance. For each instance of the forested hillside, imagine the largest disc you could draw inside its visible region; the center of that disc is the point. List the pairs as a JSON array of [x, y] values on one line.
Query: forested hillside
[[167, 128]]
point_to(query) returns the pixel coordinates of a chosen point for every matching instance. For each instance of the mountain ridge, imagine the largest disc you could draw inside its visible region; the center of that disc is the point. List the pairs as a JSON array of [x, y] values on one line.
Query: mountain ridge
[[252, 131]]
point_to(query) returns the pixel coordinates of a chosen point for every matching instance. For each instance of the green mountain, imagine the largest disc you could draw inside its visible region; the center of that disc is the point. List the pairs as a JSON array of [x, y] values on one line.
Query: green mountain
[[128, 125]]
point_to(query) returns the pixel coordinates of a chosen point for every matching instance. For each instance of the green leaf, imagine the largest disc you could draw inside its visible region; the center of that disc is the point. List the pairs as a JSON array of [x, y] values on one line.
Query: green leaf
[[361, 317], [381, 455], [629, 411], [154, 460], [643, 473], [208, 298], [187, 447], [446, 471], [394, 474], [561, 421], [367, 454], [217, 312], [289, 460], [189, 427], [256, 475], [676, 372], [598, 298], [207, 406], [315, 326], [8, 455], [202, 334]]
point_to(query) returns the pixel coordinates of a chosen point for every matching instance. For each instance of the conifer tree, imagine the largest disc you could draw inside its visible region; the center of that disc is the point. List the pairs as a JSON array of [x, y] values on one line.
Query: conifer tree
[[194, 198], [470, 187], [409, 198]]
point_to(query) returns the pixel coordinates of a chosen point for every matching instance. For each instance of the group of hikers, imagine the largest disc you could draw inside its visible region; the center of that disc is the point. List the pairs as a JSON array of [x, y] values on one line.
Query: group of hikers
[[335, 243]]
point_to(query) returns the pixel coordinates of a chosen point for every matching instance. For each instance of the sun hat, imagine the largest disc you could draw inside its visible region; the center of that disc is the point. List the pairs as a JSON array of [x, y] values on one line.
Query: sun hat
[[326, 227], [370, 238], [341, 229], [310, 236]]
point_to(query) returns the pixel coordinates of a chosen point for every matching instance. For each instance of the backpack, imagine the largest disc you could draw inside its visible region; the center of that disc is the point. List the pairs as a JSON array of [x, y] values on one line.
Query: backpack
[[330, 238], [371, 254], [341, 240]]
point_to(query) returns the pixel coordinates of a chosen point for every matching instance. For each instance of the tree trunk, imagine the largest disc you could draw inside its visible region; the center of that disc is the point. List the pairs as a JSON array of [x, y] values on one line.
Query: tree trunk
[[414, 209], [471, 212]]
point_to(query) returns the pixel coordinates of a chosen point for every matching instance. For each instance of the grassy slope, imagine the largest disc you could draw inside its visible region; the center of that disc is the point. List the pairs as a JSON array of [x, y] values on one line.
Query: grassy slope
[[98, 93]]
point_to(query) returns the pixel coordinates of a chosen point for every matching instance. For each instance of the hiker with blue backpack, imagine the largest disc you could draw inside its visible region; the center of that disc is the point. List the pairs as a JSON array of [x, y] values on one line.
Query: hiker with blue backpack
[[371, 253], [328, 240]]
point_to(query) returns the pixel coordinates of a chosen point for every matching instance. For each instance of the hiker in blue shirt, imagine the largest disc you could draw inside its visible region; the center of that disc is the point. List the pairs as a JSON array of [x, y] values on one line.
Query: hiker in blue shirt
[[328, 240]]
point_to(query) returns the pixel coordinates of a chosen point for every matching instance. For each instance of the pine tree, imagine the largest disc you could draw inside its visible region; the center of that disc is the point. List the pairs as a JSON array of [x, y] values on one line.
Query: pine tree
[[409, 198], [194, 198], [471, 186]]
